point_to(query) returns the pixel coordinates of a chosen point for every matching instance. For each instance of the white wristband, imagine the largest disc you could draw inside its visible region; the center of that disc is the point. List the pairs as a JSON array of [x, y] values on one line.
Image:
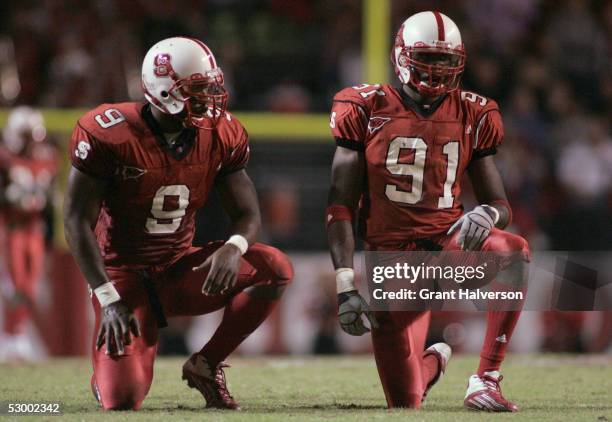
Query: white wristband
[[344, 280], [107, 294], [240, 242]]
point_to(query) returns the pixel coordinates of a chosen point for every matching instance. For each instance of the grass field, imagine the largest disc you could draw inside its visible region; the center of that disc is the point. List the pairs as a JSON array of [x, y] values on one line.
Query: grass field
[[547, 387]]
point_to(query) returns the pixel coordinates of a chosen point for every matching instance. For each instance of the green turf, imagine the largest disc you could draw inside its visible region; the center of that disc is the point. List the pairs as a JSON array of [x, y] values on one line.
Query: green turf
[[547, 387]]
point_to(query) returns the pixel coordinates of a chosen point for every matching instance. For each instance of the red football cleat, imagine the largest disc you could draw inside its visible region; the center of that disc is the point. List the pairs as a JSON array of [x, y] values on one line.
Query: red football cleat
[[209, 381], [484, 393], [442, 352]]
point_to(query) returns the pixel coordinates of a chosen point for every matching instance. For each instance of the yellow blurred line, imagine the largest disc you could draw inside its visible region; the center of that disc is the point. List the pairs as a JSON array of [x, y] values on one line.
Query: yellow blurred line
[[286, 127], [271, 127], [261, 126], [376, 40]]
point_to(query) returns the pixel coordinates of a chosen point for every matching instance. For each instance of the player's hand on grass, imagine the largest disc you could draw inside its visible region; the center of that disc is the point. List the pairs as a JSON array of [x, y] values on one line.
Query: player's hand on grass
[[351, 309], [474, 227], [222, 266], [118, 324]]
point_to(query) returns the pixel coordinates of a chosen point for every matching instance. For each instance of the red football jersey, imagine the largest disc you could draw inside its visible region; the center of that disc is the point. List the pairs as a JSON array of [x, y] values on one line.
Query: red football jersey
[[148, 214], [415, 156], [25, 181]]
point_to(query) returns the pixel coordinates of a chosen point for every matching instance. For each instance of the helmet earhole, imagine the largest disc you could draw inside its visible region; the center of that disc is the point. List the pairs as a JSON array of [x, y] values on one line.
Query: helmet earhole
[[164, 94]]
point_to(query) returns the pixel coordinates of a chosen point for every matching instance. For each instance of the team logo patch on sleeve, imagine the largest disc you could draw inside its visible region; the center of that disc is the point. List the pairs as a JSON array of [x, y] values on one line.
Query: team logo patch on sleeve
[[82, 150]]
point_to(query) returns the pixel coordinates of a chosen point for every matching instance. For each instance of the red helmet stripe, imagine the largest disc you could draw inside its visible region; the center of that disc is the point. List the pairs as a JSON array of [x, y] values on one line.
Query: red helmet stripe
[[211, 58], [440, 24]]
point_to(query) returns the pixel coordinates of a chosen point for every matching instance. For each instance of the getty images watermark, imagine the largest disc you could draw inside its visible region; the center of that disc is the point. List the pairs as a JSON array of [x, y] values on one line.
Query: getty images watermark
[[459, 274], [463, 281]]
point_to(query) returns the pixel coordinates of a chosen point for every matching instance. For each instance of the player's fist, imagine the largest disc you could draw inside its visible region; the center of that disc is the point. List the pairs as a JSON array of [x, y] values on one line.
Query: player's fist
[[475, 226], [118, 324], [351, 309], [222, 266]]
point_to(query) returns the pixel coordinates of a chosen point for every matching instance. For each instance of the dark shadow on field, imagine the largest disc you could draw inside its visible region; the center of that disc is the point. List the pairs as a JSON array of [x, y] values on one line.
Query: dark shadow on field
[[334, 407], [266, 409]]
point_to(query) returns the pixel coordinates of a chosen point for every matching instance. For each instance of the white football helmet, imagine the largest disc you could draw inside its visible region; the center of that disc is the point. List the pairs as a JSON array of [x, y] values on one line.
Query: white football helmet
[[180, 76], [428, 53], [24, 125]]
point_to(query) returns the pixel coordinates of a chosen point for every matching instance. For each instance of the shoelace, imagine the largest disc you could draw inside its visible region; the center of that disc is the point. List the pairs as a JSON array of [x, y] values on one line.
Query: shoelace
[[492, 383], [221, 383]]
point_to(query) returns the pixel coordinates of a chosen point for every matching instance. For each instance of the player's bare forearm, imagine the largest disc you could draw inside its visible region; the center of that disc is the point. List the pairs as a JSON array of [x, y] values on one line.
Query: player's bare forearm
[[489, 187], [239, 200], [81, 208], [348, 169], [347, 181], [341, 244]]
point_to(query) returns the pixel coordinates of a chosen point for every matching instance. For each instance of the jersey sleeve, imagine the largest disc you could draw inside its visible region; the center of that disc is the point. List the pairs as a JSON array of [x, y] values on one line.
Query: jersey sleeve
[[348, 121], [236, 156], [90, 155], [489, 133]]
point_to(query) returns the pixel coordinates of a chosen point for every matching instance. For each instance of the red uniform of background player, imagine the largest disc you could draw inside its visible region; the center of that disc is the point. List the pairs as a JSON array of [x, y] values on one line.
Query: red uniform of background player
[[27, 169], [402, 154], [140, 185]]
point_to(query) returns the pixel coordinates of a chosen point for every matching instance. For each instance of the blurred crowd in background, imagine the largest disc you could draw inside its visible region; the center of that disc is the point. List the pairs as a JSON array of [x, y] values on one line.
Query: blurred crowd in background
[[548, 63]]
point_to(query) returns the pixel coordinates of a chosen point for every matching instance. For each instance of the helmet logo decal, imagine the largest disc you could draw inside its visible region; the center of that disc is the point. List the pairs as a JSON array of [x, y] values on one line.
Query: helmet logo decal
[[162, 65]]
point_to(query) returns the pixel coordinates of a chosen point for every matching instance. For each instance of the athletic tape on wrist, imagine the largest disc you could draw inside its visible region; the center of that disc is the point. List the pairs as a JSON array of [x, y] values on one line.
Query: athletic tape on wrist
[[240, 242], [107, 294], [345, 278]]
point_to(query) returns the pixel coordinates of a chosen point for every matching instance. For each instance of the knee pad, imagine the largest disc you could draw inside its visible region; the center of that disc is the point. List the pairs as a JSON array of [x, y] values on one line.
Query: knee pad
[[272, 261], [121, 387], [502, 241]]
